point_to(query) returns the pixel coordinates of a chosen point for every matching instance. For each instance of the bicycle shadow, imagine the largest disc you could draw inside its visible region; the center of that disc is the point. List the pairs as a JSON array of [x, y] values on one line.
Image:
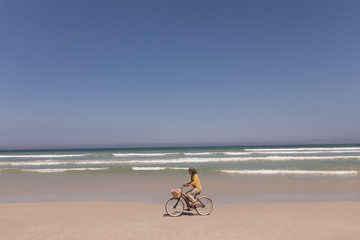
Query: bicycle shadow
[[183, 214]]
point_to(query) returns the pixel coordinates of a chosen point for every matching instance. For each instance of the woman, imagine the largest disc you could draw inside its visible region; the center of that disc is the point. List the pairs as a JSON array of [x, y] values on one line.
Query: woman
[[195, 183]]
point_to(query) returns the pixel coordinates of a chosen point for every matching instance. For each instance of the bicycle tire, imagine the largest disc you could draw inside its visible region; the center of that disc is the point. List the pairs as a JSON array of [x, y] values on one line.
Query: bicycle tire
[[171, 209], [205, 206]]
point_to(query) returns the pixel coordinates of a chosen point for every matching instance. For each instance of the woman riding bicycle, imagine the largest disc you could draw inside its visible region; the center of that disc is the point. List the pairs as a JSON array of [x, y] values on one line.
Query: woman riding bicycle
[[176, 205], [195, 183]]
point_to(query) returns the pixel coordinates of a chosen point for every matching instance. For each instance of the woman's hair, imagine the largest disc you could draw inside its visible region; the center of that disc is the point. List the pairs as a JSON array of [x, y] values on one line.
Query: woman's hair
[[193, 170]]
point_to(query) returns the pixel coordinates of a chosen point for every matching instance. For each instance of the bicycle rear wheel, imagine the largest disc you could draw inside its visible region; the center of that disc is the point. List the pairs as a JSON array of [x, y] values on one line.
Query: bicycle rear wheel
[[174, 207], [205, 206]]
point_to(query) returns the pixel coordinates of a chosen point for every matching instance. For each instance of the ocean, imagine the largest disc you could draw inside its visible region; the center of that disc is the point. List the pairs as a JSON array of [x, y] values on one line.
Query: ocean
[[310, 160]]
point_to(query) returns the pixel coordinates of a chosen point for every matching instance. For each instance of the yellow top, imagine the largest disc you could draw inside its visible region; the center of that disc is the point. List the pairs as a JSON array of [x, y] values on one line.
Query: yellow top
[[195, 182]]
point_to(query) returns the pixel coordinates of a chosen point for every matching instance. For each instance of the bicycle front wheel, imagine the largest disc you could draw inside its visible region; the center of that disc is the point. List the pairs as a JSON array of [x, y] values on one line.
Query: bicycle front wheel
[[174, 207], [205, 206]]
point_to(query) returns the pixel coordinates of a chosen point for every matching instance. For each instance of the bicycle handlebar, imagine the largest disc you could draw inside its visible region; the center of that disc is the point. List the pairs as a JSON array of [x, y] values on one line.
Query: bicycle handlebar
[[182, 186]]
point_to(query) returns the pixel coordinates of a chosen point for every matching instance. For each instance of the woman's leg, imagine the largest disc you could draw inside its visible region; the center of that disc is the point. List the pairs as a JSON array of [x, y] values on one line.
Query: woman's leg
[[190, 194]]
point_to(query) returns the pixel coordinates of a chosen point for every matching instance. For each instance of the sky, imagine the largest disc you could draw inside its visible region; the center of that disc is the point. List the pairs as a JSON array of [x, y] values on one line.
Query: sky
[[162, 72]]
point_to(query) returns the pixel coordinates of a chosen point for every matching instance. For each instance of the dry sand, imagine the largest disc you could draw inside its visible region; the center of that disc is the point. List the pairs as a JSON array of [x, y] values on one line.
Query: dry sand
[[134, 220]]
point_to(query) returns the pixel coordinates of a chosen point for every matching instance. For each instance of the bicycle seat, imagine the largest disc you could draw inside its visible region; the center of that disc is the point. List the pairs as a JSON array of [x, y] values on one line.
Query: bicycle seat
[[196, 195]]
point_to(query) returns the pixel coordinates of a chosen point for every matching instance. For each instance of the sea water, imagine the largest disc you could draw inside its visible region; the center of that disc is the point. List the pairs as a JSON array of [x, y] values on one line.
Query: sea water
[[311, 160]]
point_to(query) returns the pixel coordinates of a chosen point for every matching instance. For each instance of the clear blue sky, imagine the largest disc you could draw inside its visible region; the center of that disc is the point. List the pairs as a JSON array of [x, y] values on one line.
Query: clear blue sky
[[149, 72]]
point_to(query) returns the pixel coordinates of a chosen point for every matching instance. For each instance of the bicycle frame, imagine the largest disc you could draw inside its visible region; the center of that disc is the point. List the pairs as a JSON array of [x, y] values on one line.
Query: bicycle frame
[[187, 200]]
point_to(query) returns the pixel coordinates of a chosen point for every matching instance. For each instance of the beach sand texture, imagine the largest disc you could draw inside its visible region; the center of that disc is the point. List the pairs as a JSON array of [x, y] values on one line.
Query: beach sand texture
[[135, 220]]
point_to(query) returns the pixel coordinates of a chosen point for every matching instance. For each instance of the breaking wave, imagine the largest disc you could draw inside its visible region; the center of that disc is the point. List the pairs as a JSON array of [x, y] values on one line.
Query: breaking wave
[[289, 172]]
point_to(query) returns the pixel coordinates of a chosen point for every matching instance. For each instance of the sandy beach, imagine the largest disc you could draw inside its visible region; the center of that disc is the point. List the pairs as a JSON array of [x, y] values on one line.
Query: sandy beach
[[136, 220], [112, 206]]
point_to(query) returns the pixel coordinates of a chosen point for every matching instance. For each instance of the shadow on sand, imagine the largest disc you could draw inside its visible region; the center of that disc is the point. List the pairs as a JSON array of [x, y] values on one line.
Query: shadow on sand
[[191, 214]]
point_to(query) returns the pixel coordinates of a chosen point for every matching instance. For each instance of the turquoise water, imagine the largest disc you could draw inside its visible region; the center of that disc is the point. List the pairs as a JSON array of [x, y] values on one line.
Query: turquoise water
[[314, 160]]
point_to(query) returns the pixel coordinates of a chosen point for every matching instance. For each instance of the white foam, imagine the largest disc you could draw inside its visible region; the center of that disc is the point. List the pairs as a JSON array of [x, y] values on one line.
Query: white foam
[[215, 153], [289, 172], [237, 153], [201, 153], [163, 154], [239, 159], [53, 163], [62, 170], [178, 153], [148, 168], [43, 156], [305, 152], [304, 158], [302, 149], [139, 154], [179, 160], [33, 163]]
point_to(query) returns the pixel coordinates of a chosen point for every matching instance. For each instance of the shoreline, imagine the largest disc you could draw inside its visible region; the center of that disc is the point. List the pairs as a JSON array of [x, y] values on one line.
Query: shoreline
[[134, 220]]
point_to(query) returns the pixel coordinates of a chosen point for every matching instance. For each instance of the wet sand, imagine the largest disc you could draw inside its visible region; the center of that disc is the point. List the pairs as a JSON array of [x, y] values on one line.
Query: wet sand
[[155, 188]]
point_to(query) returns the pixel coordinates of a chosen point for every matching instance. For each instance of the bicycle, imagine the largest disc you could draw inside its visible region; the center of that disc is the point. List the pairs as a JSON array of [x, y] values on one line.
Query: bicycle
[[175, 206]]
